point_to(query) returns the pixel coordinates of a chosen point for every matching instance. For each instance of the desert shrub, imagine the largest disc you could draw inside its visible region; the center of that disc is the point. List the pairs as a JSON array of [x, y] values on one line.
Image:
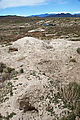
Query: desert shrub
[[73, 60], [6, 73], [1, 117], [70, 117], [78, 50], [33, 73], [9, 84], [64, 118], [77, 109], [2, 66], [11, 93], [43, 35], [10, 69], [71, 97], [7, 98], [10, 116], [1, 69], [71, 92], [21, 70]]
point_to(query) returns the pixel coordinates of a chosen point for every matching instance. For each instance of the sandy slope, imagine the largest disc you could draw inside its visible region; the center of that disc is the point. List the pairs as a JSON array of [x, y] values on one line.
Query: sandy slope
[[49, 59]]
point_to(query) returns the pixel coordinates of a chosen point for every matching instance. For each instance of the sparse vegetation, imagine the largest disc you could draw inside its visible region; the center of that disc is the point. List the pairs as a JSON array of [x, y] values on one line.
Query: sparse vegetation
[[16, 28], [6, 87], [71, 97], [70, 117], [6, 72], [9, 116], [33, 73], [51, 64]]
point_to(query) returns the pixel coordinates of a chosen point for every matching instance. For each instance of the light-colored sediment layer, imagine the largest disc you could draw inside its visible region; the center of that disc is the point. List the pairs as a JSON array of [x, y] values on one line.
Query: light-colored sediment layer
[[52, 58]]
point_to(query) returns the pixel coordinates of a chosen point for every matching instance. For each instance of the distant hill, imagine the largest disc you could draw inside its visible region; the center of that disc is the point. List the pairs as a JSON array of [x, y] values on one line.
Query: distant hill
[[57, 15], [43, 15], [7, 16], [12, 19]]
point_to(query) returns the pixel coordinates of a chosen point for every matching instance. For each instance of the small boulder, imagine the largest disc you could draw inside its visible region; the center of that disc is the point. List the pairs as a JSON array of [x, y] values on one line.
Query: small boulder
[[12, 49], [25, 105], [5, 76]]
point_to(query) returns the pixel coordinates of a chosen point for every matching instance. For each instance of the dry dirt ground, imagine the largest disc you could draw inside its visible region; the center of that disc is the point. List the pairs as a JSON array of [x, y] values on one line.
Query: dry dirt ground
[[47, 65], [13, 28]]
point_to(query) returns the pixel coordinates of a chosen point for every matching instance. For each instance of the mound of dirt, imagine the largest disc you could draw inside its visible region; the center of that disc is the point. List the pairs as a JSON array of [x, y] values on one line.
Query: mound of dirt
[[47, 68]]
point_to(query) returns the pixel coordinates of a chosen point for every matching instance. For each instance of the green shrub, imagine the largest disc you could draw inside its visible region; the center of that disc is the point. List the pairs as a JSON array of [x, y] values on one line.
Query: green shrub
[[1, 117], [33, 73], [70, 117], [10, 116], [11, 93], [10, 69], [7, 98], [78, 50], [1, 69], [64, 118], [43, 35], [2, 66], [9, 84], [73, 60], [21, 70]]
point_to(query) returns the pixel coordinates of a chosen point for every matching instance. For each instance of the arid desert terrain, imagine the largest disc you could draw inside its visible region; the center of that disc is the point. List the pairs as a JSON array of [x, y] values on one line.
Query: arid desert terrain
[[39, 68]]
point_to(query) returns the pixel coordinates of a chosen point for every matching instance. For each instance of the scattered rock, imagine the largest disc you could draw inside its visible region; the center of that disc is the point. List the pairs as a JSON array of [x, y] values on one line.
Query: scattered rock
[[5, 76], [25, 105], [12, 49]]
